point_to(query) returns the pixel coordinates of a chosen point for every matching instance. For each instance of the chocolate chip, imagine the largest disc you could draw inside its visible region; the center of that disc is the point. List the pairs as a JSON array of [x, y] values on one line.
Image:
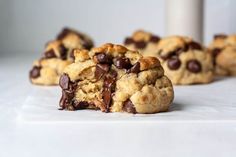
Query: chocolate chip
[[174, 63], [128, 106], [68, 91], [140, 44], [104, 58], [101, 69], [220, 36], [72, 54], [63, 52], [64, 81], [216, 52], [129, 41], [50, 54], [80, 105], [112, 73], [154, 39], [194, 66], [122, 63], [174, 53], [194, 46], [63, 33], [87, 45], [135, 68], [35, 71], [109, 83], [109, 86], [63, 100], [106, 96]]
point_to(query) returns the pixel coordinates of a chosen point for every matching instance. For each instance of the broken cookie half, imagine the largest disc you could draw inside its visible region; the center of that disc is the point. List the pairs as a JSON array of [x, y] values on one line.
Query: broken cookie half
[[112, 78]]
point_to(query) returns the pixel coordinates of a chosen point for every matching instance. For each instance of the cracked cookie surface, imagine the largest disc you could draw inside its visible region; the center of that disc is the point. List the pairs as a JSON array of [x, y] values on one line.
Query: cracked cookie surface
[[112, 78], [57, 55], [185, 61], [223, 51]]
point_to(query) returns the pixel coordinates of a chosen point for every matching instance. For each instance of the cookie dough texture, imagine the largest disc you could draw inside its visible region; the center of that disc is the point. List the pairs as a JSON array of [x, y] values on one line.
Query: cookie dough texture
[[112, 78], [57, 55], [223, 51], [185, 61], [143, 41]]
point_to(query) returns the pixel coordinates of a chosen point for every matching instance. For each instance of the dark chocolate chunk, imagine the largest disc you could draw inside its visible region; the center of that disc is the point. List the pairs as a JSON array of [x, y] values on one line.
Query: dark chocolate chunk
[[50, 54], [72, 54], [68, 91], [174, 53], [63, 33], [216, 52], [104, 58], [109, 83], [63, 52], [80, 105], [220, 36], [109, 86], [122, 63], [87, 45], [101, 69], [140, 44], [194, 66], [112, 73], [174, 63], [128, 106], [135, 68], [106, 95], [154, 39], [35, 72], [194, 46], [129, 41], [64, 81], [63, 100]]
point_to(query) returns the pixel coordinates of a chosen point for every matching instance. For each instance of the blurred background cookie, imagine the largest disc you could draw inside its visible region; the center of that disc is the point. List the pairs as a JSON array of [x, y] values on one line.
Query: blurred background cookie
[[143, 41], [185, 61], [223, 51], [58, 54]]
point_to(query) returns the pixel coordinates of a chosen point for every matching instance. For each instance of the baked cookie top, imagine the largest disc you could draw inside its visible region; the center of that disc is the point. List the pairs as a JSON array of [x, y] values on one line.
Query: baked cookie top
[[114, 79], [68, 35], [175, 45], [143, 41]]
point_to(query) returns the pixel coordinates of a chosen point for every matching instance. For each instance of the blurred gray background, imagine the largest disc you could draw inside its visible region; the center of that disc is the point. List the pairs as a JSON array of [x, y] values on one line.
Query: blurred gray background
[[26, 25]]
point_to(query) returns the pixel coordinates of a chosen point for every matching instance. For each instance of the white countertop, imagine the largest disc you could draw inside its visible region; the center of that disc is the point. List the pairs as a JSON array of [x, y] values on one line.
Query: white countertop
[[201, 122]]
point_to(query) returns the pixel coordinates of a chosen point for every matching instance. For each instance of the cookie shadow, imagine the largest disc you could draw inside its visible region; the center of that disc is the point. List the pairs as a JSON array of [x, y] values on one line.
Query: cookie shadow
[[176, 107]]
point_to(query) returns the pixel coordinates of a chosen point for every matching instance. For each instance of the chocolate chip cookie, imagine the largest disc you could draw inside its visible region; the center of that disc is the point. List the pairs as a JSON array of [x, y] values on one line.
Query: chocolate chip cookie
[[143, 41], [112, 78], [223, 51], [57, 55], [185, 61]]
